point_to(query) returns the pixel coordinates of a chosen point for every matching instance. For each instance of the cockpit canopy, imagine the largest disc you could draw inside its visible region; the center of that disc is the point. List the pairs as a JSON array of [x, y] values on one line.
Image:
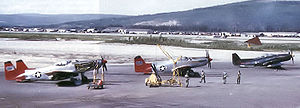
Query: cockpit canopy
[[186, 58], [267, 55], [63, 63]]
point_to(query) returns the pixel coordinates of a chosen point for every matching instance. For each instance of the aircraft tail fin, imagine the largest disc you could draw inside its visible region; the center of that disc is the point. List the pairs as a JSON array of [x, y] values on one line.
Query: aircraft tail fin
[[255, 41], [11, 72], [236, 60], [21, 65], [141, 66]]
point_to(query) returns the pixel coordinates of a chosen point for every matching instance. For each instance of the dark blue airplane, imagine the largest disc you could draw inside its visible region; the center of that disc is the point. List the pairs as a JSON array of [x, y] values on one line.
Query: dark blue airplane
[[269, 61]]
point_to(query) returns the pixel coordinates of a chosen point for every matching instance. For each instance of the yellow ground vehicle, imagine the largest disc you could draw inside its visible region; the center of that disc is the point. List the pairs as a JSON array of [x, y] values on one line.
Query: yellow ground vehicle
[[154, 80]]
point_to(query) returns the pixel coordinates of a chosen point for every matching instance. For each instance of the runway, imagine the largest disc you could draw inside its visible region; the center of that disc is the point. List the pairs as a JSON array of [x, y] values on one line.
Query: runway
[[260, 87]]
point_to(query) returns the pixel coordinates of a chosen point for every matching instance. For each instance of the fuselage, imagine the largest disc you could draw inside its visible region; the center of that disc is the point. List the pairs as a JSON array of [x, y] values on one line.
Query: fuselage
[[267, 60], [47, 73], [167, 66], [61, 70]]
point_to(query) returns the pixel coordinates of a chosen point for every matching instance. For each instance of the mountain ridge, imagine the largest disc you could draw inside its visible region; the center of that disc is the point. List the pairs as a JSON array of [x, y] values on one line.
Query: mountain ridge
[[254, 15], [33, 19]]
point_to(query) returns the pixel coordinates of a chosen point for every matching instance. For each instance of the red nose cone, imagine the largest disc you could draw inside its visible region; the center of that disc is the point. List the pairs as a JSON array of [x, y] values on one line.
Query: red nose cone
[[104, 61]]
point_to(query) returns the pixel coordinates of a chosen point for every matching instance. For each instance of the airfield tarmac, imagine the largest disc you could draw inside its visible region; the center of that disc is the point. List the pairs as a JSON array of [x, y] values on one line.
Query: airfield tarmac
[[259, 88]]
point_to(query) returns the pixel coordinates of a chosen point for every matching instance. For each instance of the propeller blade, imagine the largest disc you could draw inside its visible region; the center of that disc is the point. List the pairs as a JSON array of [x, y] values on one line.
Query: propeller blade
[[104, 66]]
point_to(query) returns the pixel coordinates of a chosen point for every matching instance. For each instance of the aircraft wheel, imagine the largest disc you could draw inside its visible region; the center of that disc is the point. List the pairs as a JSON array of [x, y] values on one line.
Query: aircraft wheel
[[76, 81], [85, 79], [146, 81], [191, 74], [197, 74]]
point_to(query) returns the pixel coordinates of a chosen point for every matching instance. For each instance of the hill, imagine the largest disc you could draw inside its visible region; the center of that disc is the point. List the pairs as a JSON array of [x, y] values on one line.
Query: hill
[[257, 15], [47, 19]]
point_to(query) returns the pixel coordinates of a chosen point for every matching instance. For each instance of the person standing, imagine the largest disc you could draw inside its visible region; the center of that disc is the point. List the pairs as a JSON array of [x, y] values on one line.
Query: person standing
[[187, 81], [238, 80], [202, 77], [96, 70], [224, 77]]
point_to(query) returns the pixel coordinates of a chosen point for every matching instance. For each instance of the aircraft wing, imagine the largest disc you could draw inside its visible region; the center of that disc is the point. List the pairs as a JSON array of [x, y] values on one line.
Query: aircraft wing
[[246, 66], [59, 71], [274, 65], [183, 67]]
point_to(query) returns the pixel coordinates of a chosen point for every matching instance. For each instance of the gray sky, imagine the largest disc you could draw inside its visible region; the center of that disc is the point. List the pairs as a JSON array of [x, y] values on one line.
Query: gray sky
[[125, 7]]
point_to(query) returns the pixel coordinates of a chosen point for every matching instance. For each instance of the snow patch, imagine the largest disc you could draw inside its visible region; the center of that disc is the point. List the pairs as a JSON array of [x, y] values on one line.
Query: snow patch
[[159, 23]]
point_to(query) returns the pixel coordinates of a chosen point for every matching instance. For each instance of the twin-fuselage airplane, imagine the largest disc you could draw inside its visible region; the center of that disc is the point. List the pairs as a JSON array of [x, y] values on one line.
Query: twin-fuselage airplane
[[270, 61], [59, 71]]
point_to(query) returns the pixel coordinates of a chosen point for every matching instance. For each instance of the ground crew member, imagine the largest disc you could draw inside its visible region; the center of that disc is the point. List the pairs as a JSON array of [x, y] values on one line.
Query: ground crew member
[[96, 70], [238, 80], [224, 77], [187, 81], [202, 77]]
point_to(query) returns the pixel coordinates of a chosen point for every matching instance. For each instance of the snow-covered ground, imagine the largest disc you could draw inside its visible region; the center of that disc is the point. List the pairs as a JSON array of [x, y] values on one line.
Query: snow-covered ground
[[116, 53], [260, 87]]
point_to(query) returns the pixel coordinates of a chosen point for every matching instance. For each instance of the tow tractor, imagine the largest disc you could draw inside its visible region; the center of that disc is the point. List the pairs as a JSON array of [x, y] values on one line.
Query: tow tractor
[[154, 80], [98, 84]]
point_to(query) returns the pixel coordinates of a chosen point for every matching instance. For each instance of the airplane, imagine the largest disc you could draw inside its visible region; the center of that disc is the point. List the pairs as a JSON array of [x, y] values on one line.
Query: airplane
[[59, 71], [184, 64], [269, 61]]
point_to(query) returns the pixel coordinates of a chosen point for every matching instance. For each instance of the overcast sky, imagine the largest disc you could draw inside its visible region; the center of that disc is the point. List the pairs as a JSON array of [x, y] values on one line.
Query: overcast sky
[[125, 7]]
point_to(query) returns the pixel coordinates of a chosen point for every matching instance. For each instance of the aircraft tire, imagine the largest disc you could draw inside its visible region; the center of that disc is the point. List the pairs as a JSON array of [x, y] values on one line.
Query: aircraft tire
[[76, 82], [85, 79], [191, 74]]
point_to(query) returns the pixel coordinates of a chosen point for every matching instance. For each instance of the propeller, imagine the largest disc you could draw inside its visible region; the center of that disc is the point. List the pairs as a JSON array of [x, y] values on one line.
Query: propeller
[[292, 56], [104, 64], [209, 59]]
